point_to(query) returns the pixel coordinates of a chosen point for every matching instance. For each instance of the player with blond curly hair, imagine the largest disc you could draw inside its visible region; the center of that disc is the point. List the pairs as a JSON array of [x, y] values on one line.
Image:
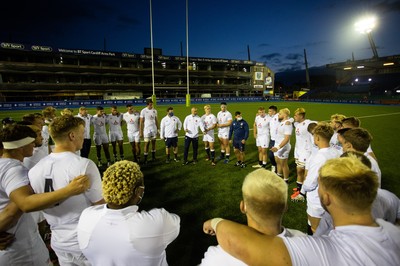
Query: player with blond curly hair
[[116, 233]]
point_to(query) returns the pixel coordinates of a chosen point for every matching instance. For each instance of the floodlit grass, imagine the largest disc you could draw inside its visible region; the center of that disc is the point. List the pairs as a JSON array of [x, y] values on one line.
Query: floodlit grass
[[199, 192]]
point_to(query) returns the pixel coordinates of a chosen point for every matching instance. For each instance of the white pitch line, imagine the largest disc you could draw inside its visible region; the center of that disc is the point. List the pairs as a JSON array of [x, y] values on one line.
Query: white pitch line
[[368, 116]]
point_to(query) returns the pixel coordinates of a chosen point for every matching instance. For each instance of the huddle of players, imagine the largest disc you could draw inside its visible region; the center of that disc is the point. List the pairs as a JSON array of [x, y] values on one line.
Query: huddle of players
[[145, 125], [142, 124], [318, 142], [272, 132], [315, 144], [340, 177]]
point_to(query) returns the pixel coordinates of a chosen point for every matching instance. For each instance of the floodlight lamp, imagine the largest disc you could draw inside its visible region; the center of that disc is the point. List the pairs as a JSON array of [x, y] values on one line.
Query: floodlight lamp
[[365, 25]]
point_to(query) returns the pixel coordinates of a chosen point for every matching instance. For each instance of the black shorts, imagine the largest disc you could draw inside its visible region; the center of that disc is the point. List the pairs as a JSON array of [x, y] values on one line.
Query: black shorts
[[171, 142], [237, 144]]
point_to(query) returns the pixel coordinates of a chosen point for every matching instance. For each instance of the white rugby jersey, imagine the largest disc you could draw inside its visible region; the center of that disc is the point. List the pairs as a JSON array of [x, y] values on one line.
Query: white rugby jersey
[[282, 131], [28, 247], [348, 245], [310, 184], [149, 116], [99, 124], [114, 122], [87, 119], [132, 121], [215, 255], [209, 121], [303, 141], [54, 172], [223, 118], [263, 125], [274, 124], [126, 236], [385, 206]]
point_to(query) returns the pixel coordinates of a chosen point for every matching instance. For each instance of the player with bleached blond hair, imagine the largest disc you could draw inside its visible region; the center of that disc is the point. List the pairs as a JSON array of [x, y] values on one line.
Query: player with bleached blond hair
[[282, 143], [116, 233], [347, 190], [302, 149], [264, 203], [385, 206], [209, 122]]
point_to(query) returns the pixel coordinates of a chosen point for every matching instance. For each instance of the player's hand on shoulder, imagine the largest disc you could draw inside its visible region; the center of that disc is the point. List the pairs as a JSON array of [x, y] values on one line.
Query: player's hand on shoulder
[[5, 240], [79, 184], [207, 228]]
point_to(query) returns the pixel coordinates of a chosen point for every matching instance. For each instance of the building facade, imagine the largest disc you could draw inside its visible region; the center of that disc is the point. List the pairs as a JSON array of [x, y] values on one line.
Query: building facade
[[40, 73]]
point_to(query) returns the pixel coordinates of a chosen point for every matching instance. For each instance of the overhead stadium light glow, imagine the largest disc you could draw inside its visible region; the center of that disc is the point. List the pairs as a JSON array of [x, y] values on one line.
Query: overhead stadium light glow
[[388, 64], [365, 25]]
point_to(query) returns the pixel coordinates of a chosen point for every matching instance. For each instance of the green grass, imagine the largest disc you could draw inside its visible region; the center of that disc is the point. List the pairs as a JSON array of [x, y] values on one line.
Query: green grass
[[199, 192]]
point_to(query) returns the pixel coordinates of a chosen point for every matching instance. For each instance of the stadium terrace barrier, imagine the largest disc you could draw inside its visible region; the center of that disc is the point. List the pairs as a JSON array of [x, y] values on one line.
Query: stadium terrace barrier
[[94, 103]]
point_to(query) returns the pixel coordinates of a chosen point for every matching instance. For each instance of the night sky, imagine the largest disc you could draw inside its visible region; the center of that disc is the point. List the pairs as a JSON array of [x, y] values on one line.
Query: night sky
[[276, 31]]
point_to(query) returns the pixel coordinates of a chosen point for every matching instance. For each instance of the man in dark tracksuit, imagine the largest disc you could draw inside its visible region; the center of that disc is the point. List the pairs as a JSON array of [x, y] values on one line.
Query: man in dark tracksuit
[[240, 131]]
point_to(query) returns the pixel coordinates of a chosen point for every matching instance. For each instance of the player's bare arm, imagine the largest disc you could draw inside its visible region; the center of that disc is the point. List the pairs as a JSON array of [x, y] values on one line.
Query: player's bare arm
[[9, 216], [249, 245], [26, 200]]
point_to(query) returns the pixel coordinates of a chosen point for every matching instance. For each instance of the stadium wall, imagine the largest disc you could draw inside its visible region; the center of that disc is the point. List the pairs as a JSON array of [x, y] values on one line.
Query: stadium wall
[[92, 103]]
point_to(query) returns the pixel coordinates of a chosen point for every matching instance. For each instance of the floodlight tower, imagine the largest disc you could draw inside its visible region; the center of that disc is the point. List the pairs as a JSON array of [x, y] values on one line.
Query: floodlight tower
[[365, 26]]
